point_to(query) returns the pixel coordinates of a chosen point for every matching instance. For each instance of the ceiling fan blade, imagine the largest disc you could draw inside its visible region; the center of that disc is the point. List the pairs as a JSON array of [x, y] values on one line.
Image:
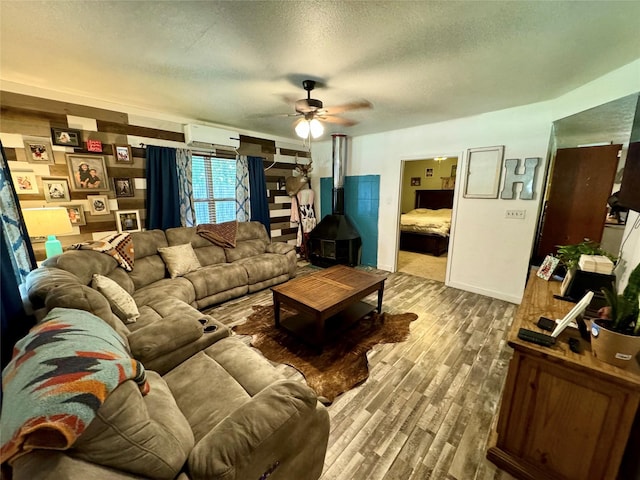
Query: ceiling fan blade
[[362, 104], [337, 120]]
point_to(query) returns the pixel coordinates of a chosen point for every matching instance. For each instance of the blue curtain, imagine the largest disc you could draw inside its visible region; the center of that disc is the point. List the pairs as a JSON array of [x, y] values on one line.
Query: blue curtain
[[163, 194], [258, 193], [17, 260]]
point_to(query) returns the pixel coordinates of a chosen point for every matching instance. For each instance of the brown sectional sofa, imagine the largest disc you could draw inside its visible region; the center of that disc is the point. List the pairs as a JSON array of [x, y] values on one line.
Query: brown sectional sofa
[[232, 415]]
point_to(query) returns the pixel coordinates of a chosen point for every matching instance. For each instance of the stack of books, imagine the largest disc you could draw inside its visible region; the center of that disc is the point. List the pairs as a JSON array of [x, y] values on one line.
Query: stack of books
[[596, 264]]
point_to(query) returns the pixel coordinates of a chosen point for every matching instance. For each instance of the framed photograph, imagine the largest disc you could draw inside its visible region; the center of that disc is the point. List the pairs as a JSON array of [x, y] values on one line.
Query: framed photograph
[[122, 154], [548, 267], [454, 170], [123, 186], [88, 173], [98, 204], [38, 150], [128, 220], [415, 181], [66, 137], [24, 181], [76, 215], [483, 169], [428, 172], [56, 189]]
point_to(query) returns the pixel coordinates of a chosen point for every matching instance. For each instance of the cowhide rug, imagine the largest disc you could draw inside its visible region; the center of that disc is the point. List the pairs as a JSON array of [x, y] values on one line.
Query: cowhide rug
[[342, 364]]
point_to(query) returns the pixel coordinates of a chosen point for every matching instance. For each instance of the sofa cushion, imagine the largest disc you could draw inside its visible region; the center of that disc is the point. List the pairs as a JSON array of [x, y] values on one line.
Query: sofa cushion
[[179, 288], [251, 231], [214, 279], [149, 266], [245, 249], [161, 337], [207, 253], [264, 267], [83, 263], [147, 436], [122, 304], [180, 259]]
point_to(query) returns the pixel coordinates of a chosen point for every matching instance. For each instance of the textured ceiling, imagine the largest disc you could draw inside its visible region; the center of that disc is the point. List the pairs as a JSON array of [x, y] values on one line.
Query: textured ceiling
[[237, 63]]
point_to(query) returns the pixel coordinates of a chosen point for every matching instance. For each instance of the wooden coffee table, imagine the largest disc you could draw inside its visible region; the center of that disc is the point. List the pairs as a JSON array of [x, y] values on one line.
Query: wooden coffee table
[[327, 301]]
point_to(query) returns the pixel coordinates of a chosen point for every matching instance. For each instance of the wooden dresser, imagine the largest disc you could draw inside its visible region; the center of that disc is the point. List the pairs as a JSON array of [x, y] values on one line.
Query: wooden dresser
[[564, 415]]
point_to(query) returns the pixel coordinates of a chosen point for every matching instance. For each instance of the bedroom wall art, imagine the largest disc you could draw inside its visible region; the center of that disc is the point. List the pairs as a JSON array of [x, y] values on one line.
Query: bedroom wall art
[[483, 168], [511, 178]]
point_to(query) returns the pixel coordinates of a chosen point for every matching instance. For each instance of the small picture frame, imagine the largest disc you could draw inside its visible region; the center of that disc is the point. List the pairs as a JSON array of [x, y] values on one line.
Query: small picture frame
[[428, 172], [123, 186], [454, 170], [66, 137], [88, 173], [548, 267], [56, 189], [122, 153], [98, 204], [76, 215], [24, 182], [128, 220], [38, 150], [415, 181]]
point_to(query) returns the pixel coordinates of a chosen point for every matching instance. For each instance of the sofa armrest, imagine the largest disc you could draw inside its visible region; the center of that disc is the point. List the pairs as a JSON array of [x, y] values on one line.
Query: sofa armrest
[[163, 336], [280, 247], [281, 428]]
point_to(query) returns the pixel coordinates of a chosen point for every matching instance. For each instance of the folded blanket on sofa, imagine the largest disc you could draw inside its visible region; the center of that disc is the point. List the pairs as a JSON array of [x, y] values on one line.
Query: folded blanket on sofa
[[221, 234], [118, 245], [59, 376]]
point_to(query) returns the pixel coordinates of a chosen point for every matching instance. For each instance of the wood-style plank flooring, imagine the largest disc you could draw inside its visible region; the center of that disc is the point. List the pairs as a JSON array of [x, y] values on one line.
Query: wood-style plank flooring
[[427, 408]]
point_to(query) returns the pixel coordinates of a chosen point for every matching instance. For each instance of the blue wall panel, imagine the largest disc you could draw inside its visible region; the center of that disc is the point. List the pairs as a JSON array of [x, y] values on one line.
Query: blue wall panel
[[361, 202]]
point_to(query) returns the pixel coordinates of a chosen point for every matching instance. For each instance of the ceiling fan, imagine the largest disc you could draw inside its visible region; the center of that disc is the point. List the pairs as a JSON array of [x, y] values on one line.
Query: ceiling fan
[[312, 111]]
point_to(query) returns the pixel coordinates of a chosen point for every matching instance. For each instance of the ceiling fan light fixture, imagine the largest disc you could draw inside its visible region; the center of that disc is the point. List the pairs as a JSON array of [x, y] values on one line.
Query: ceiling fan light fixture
[[305, 127]]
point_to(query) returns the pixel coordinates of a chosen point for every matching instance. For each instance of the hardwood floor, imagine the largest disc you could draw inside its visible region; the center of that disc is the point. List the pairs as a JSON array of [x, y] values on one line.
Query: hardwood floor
[[426, 410]]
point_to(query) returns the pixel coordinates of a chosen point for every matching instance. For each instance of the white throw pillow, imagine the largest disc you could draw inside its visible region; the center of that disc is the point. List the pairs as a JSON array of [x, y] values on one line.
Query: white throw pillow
[[180, 259], [122, 304]]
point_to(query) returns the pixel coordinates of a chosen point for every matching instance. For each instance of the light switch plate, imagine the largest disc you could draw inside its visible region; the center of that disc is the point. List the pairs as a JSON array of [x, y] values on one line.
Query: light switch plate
[[518, 214]]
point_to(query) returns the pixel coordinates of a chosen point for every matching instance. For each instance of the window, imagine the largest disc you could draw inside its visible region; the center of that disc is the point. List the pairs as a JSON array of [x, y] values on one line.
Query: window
[[214, 188]]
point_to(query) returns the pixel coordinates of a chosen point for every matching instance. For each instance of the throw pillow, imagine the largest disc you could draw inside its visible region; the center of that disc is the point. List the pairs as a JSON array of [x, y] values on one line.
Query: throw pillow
[[221, 234], [180, 259], [122, 304]]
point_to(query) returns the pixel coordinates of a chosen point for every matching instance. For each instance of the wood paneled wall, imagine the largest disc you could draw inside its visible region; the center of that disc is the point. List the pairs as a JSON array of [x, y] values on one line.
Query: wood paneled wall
[[24, 116]]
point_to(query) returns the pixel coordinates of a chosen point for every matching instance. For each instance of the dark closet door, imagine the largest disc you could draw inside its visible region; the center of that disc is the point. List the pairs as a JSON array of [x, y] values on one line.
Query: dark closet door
[[576, 206]]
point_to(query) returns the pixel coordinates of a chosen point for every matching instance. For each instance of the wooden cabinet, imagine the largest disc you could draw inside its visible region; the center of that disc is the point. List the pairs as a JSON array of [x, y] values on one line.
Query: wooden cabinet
[[563, 415]]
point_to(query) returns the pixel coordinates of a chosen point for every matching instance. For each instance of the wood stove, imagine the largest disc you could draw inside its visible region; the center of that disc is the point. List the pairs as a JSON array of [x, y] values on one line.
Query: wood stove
[[335, 240]]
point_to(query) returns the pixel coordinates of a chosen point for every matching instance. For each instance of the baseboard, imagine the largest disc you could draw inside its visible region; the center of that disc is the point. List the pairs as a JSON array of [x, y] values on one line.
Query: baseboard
[[485, 292]]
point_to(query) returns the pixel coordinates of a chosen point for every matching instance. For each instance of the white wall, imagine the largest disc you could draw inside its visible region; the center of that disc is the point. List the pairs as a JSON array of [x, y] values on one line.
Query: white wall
[[488, 253]]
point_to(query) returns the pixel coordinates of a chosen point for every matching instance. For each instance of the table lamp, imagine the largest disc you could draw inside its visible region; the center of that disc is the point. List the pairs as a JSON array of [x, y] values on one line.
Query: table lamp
[[48, 222]]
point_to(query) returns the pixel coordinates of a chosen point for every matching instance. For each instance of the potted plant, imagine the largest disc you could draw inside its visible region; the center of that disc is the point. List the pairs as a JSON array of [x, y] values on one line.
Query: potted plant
[[615, 338], [569, 255]]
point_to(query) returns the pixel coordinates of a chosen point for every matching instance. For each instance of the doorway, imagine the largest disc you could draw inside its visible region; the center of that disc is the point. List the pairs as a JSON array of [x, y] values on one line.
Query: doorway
[[426, 206]]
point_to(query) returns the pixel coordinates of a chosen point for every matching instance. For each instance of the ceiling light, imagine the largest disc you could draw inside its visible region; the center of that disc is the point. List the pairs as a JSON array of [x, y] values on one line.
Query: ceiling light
[[313, 126]]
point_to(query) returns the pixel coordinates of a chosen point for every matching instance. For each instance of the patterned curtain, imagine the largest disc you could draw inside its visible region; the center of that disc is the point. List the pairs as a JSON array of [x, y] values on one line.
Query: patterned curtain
[[17, 260], [14, 232], [243, 204], [185, 187]]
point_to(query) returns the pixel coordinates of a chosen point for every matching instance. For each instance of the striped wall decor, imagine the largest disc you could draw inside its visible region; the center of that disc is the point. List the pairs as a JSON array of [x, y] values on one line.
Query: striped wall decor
[[24, 116]]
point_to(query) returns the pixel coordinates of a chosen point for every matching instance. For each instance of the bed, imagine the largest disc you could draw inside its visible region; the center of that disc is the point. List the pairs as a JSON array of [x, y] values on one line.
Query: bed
[[425, 229]]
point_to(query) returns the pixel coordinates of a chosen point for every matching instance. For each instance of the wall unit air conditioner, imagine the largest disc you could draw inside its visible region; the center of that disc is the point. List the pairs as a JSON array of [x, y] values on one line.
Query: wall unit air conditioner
[[203, 136]]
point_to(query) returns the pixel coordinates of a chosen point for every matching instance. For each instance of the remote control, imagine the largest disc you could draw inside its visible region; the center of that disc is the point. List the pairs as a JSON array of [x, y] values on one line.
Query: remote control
[[536, 337]]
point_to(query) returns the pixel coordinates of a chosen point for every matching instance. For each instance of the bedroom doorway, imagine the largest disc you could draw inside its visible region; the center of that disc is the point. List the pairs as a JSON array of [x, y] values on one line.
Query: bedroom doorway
[[426, 205]]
